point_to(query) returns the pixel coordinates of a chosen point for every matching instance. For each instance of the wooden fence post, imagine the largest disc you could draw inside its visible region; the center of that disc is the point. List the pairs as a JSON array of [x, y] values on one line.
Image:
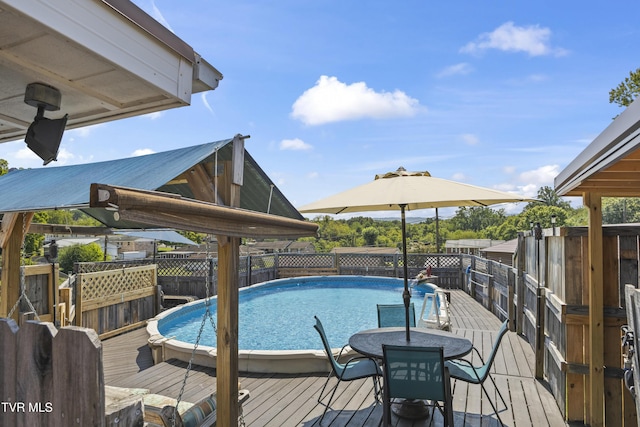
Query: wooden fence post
[[78, 376], [541, 303], [522, 256], [78, 311], [34, 373], [511, 309], [8, 364], [490, 299]]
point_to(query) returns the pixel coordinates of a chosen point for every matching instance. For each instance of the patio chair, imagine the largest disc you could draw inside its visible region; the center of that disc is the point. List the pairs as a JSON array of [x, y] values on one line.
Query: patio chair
[[416, 373], [435, 310], [463, 370], [390, 315], [355, 368]]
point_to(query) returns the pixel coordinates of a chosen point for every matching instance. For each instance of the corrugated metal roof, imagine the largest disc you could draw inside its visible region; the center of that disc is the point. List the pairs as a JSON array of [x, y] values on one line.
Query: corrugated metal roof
[[66, 187]]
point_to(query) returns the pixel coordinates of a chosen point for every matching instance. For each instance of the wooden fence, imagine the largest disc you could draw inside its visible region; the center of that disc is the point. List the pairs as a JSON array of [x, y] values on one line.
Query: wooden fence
[[114, 301], [50, 377], [38, 295]]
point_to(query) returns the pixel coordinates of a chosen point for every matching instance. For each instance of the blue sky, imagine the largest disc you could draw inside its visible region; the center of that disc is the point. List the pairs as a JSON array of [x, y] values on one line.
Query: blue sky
[[494, 93]]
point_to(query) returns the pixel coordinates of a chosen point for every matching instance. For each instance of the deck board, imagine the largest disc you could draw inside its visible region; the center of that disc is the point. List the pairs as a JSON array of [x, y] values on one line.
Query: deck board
[[291, 400]]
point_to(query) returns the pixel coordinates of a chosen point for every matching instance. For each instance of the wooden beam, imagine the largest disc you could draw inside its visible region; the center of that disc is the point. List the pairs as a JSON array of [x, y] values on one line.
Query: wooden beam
[[167, 210], [13, 226], [227, 331], [200, 181], [69, 229], [228, 297], [596, 310]]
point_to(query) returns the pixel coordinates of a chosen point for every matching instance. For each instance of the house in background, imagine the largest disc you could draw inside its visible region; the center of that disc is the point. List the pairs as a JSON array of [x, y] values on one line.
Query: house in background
[[282, 246], [64, 242], [469, 246], [502, 252]]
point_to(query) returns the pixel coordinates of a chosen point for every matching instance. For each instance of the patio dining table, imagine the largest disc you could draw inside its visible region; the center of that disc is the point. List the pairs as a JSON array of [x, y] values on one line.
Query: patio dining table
[[369, 343]]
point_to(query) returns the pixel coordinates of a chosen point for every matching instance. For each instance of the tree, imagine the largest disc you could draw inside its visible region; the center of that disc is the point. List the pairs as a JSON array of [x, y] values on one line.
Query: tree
[[549, 197], [542, 214], [620, 210], [627, 91], [477, 218], [79, 253], [370, 235], [32, 244], [4, 167]]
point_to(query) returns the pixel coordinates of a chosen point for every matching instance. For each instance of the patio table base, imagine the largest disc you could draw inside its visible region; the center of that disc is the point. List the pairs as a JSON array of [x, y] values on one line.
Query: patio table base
[[410, 408]]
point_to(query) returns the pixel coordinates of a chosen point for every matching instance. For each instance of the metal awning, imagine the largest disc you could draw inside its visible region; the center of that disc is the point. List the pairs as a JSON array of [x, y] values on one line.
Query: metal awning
[[174, 171], [108, 58], [610, 164]]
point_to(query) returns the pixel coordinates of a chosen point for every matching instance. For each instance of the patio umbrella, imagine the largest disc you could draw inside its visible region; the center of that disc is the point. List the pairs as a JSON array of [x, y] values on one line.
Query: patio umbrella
[[408, 191]]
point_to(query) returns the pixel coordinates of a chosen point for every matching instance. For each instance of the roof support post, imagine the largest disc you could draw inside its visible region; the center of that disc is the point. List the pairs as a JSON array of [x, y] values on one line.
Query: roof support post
[[228, 296], [227, 335], [11, 238], [596, 310]]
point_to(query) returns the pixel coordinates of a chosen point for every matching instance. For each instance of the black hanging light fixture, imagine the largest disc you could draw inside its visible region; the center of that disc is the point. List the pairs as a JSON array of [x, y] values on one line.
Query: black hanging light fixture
[[44, 135]]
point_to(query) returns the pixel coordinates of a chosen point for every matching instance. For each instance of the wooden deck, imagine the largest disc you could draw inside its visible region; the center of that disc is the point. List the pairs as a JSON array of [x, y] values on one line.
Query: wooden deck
[[291, 400]]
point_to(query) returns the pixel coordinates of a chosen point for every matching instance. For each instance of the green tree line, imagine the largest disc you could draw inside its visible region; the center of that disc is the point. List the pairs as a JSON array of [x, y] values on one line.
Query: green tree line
[[467, 223]]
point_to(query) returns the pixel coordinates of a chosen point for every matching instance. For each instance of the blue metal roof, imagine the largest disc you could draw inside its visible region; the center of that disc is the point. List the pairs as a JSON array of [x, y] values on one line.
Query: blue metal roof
[[67, 187]]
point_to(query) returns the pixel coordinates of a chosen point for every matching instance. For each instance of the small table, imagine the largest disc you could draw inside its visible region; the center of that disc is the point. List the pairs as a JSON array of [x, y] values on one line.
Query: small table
[[370, 343]]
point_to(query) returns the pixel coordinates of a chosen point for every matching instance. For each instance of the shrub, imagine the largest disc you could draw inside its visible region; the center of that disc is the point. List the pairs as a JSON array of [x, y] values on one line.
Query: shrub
[[79, 253]]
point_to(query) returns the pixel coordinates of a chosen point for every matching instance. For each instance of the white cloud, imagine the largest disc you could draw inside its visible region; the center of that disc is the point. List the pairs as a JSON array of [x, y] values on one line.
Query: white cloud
[[532, 180], [154, 116], [25, 154], [82, 132], [158, 16], [142, 152], [65, 156], [295, 144], [205, 101], [454, 70], [508, 37], [470, 139], [26, 158], [313, 175], [330, 100], [459, 177]]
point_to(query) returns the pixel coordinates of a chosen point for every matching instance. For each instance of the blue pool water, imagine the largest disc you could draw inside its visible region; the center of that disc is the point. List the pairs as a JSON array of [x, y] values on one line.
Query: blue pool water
[[278, 315]]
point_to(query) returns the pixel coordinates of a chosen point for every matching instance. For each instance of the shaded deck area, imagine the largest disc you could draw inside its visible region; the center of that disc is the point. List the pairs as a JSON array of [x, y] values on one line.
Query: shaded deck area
[[291, 400]]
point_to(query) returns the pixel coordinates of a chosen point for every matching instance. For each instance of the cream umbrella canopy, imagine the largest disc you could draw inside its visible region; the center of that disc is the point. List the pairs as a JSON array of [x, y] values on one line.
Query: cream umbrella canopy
[[405, 190]]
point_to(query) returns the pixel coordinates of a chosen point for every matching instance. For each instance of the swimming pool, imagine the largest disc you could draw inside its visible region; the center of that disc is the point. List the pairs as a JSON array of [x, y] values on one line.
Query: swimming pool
[[276, 317]]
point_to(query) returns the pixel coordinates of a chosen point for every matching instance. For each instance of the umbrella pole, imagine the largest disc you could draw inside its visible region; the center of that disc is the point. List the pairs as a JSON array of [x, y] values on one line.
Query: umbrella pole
[[406, 296]]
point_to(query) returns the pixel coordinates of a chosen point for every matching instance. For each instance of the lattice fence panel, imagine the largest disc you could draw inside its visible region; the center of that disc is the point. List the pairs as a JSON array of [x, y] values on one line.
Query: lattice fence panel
[[116, 282], [183, 267], [263, 261], [449, 261], [306, 260], [368, 260], [92, 267]]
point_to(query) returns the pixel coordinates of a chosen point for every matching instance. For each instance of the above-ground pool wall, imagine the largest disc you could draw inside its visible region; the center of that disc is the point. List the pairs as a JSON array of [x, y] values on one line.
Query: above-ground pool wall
[[564, 352]]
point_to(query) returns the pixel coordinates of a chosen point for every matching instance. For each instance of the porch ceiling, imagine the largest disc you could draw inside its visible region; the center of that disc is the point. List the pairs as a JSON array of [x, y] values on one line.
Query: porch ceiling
[[108, 59]]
